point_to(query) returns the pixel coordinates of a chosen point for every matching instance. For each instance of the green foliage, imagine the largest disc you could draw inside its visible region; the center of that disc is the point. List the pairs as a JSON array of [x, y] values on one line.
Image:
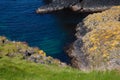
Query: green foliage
[[13, 69], [21, 50]]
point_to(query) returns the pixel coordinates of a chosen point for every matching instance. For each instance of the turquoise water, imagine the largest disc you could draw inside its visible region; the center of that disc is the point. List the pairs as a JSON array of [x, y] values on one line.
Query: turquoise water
[[50, 32]]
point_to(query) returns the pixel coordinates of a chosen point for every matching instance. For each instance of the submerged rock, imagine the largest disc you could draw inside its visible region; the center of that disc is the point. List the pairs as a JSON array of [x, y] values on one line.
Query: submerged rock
[[98, 41], [79, 5]]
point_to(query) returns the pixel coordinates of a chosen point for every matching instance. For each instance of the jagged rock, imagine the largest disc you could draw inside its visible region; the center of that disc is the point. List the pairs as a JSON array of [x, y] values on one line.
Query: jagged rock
[[56, 5], [79, 5], [21, 50], [99, 47], [91, 49]]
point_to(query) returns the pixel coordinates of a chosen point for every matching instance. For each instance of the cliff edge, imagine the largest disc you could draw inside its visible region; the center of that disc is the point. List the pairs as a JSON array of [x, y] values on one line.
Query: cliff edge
[[98, 41], [21, 51]]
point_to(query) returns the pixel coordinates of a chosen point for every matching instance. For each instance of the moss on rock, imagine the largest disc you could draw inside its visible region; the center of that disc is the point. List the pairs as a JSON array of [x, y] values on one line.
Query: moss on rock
[[21, 50]]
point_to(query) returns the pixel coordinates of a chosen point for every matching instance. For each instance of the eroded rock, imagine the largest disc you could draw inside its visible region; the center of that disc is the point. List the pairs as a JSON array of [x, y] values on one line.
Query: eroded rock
[[99, 47], [21, 50], [79, 5]]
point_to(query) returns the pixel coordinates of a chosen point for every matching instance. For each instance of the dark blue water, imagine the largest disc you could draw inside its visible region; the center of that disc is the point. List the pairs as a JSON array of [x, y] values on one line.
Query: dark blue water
[[50, 32]]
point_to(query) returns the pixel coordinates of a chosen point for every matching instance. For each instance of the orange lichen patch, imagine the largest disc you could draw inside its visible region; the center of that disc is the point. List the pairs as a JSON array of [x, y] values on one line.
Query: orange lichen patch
[[42, 53], [93, 20]]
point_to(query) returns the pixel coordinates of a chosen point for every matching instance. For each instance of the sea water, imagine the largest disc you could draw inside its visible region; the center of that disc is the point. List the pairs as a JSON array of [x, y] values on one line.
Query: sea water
[[51, 32]]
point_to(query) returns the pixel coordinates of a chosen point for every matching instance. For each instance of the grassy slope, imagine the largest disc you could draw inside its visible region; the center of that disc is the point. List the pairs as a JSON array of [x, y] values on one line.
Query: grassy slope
[[14, 69]]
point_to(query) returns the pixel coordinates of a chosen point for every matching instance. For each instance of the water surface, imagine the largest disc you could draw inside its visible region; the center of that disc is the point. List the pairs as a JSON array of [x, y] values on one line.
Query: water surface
[[50, 32]]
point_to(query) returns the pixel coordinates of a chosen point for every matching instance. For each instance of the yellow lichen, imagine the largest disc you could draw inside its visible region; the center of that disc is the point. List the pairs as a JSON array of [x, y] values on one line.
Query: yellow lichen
[[42, 53], [104, 37], [95, 19]]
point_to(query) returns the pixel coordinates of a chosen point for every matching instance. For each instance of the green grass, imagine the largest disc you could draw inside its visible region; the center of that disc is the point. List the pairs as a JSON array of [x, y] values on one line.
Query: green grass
[[15, 69]]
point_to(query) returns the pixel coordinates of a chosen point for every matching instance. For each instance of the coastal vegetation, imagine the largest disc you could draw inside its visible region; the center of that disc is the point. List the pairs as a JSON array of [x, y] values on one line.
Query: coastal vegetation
[[14, 69], [101, 48], [15, 66], [21, 50]]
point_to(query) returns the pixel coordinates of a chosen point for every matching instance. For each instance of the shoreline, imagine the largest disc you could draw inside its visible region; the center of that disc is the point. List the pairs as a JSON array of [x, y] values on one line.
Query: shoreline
[[22, 51]]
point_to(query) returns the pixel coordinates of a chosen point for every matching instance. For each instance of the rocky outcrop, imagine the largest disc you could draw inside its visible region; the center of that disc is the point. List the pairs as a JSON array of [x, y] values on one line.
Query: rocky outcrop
[[98, 41], [22, 51], [79, 5], [56, 5], [97, 44]]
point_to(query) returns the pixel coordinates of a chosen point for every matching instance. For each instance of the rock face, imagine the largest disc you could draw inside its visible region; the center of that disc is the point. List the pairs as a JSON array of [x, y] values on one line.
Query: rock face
[[79, 5], [98, 36], [56, 5], [21, 50], [98, 41]]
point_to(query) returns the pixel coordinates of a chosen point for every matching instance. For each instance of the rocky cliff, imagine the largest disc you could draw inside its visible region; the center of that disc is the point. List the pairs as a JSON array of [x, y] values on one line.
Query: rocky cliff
[[78, 5], [98, 41], [21, 50]]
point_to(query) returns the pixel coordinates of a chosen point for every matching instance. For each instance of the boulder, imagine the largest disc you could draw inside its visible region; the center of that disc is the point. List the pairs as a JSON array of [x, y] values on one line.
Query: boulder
[[98, 42]]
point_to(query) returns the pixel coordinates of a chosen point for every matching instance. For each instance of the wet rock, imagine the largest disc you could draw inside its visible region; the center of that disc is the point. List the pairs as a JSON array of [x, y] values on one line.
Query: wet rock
[[79, 5], [56, 5]]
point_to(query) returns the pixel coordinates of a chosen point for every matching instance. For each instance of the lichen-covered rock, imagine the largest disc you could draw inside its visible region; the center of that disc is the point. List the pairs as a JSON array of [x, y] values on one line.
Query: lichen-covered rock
[[91, 21], [102, 45], [98, 46], [21, 50]]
